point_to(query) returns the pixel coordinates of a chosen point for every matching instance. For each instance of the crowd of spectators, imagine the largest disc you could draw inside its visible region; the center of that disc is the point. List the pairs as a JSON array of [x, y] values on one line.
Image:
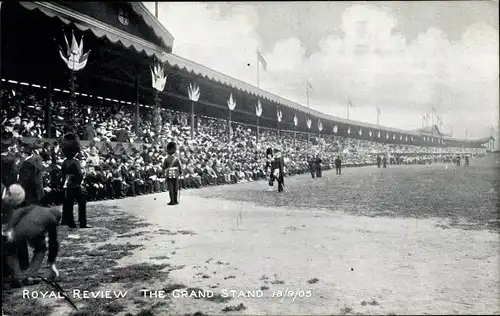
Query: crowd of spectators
[[118, 162]]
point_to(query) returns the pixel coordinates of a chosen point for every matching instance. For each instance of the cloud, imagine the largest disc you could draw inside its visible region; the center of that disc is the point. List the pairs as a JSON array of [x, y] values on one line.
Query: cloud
[[367, 62]]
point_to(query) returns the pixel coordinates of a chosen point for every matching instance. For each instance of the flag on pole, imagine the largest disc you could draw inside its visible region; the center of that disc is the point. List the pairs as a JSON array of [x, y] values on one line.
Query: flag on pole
[[261, 60], [378, 110], [309, 86], [350, 103]]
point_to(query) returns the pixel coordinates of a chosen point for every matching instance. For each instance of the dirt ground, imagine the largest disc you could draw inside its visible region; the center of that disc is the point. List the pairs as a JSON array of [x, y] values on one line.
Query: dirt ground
[[350, 263]]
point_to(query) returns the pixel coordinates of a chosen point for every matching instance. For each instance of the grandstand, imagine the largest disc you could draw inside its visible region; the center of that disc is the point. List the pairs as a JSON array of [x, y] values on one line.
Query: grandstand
[[125, 39]]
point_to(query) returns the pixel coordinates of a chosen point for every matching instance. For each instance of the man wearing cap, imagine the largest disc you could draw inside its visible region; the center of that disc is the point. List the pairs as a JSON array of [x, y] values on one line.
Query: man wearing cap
[[31, 175], [173, 169]]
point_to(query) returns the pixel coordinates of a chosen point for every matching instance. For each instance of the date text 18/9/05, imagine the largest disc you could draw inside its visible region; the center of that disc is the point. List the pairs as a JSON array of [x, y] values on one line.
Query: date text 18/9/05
[[226, 293]]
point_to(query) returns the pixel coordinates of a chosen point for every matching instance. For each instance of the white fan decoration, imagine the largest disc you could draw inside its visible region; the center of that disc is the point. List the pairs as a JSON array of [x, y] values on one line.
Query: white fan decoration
[[309, 123], [158, 78], [231, 103], [295, 120], [258, 109], [194, 92]]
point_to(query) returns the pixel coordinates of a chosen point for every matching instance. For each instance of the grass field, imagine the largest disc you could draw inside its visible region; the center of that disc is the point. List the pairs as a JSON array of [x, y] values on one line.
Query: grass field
[[402, 240]]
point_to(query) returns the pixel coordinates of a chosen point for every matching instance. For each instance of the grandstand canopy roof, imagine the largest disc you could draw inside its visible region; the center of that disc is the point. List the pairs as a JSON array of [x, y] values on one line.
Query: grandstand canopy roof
[[129, 23], [32, 33], [210, 74]]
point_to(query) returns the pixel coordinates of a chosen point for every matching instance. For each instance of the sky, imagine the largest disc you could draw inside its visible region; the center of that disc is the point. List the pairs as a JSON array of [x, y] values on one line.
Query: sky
[[403, 57]]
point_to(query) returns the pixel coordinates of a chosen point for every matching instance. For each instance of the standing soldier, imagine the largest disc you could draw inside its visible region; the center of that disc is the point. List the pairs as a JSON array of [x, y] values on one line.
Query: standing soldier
[[173, 169], [72, 178], [379, 161], [311, 163], [277, 169], [268, 168], [338, 165], [466, 161], [318, 162], [384, 161]]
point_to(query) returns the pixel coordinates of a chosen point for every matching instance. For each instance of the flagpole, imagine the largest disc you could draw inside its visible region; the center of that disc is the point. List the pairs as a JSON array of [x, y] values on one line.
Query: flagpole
[[378, 116], [156, 9], [307, 92], [258, 72], [348, 105]]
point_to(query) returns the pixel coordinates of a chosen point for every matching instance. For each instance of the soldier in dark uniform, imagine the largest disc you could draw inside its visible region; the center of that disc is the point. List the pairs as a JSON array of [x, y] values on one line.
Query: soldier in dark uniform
[[466, 161], [268, 168], [311, 164], [31, 176], [379, 161], [338, 165], [173, 168], [72, 178], [384, 161], [318, 166], [277, 169]]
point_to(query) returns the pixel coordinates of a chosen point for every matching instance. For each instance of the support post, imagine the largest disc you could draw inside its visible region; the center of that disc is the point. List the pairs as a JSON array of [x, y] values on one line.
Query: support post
[[230, 131], [294, 138], [48, 110], [279, 133], [137, 115], [258, 130], [192, 120]]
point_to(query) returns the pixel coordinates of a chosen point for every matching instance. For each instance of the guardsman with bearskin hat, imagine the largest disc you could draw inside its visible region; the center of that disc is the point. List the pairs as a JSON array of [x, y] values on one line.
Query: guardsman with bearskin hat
[[277, 169], [173, 170], [312, 168], [318, 166], [268, 168], [72, 178]]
